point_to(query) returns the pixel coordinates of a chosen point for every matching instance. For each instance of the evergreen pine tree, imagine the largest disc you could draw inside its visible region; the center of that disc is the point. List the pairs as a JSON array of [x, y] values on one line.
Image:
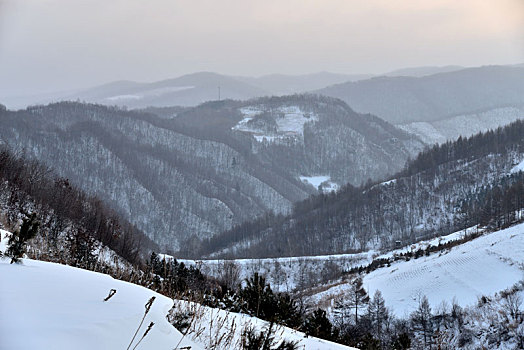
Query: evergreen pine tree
[[318, 325]]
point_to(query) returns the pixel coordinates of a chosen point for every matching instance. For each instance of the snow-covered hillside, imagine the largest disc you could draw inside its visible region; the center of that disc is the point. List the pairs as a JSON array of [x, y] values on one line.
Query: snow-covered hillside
[[51, 306], [483, 266], [289, 122], [295, 273]]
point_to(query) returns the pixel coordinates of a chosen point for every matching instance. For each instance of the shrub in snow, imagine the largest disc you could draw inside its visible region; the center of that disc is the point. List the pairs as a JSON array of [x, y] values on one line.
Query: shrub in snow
[[18, 240], [259, 300], [318, 325], [265, 340]]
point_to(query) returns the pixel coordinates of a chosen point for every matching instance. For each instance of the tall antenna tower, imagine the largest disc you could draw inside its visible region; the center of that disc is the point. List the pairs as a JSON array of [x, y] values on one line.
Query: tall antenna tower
[[219, 92]]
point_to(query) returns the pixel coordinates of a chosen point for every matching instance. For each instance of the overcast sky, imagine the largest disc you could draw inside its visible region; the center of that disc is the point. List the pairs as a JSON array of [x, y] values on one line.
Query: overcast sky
[[49, 45]]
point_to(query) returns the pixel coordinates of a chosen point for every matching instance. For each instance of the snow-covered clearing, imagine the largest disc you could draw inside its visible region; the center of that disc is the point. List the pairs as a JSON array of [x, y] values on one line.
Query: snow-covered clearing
[[389, 182], [293, 120], [316, 181], [287, 274], [518, 167], [483, 266], [290, 121]]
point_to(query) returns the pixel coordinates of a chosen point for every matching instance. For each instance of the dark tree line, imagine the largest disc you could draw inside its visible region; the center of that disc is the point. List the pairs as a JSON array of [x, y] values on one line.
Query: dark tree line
[[497, 205], [499, 141]]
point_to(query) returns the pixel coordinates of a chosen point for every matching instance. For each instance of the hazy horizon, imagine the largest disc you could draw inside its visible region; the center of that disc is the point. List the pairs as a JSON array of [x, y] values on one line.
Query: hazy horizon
[[57, 45]]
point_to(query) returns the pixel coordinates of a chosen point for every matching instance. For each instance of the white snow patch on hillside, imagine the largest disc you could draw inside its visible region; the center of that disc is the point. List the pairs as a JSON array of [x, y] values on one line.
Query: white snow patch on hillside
[[290, 121], [293, 120], [316, 181], [165, 257], [51, 306], [123, 98], [389, 182], [4, 237], [148, 93], [518, 167], [483, 266]]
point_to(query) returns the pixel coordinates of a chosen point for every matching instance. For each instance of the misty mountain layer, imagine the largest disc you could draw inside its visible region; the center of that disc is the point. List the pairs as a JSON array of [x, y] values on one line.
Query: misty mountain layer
[[401, 100]]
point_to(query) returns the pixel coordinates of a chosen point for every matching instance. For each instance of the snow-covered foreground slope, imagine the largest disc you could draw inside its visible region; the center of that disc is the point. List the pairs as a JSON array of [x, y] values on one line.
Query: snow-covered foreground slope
[[483, 266], [50, 306], [219, 329]]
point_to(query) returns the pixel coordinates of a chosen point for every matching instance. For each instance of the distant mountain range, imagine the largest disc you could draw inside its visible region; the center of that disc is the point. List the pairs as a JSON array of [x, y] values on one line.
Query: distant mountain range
[[280, 84], [422, 71], [401, 100], [196, 88], [190, 90], [435, 103]]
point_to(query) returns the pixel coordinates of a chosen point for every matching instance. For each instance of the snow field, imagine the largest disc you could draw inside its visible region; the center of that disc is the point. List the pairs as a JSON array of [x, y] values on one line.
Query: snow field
[[51, 306], [483, 266], [285, 274]]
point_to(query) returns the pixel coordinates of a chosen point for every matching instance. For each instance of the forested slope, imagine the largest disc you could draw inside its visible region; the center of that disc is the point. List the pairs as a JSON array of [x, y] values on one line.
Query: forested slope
[[71, 223], [446, 188], [205, 169]]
